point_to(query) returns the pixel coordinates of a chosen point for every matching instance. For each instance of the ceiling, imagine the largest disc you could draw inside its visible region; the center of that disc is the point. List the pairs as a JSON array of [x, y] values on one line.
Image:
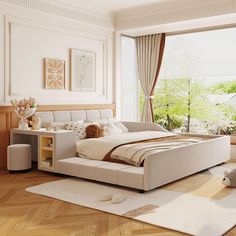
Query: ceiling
[[103, 7]]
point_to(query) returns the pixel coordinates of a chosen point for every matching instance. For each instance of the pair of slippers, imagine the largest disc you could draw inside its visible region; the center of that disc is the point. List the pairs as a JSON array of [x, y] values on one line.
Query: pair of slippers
[[113, 197]]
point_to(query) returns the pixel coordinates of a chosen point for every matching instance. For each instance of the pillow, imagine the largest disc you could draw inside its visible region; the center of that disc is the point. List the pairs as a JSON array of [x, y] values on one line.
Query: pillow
[[79, 128], [102, 121], [94, 131], [122, 127], [110, 129]]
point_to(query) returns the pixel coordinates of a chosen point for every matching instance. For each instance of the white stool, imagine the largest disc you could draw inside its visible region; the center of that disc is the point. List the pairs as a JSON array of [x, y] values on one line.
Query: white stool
[[19, 157]]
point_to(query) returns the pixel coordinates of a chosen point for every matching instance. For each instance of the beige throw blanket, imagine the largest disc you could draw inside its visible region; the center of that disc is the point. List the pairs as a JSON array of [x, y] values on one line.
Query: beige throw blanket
[[98, 148], [136, 153]]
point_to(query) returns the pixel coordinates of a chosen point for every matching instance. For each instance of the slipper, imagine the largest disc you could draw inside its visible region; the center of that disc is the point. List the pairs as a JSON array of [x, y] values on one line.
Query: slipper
[[106, 197], [117, 198]]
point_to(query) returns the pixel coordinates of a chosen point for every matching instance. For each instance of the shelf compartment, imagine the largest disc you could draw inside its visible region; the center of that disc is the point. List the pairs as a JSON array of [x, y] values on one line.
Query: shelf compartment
[[46, 141], [46, 152]]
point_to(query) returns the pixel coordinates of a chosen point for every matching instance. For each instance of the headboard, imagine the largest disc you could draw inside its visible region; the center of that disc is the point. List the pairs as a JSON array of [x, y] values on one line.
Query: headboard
[[65, 116]]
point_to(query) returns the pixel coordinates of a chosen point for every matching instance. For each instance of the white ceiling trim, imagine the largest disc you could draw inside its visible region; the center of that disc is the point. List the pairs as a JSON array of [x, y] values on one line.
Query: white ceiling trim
[[47, 6], [170, 12], [135, 20], [186, 26]]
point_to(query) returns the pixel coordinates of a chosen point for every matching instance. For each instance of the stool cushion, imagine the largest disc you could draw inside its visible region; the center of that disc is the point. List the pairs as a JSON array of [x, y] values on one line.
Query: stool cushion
[[19, 157]]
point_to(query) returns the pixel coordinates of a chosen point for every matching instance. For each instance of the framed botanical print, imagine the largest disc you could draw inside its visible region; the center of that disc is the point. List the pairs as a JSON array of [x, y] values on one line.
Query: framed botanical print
[[54, 70], [83, 70]]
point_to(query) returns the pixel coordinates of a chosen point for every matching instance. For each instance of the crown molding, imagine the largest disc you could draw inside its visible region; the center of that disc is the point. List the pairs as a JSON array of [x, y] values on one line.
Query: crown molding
[[60, 3], [170, 11], [50, 7]]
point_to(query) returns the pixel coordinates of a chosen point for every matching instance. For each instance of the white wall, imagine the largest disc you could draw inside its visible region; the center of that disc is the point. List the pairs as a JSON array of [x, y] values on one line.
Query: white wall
[[27, 36]]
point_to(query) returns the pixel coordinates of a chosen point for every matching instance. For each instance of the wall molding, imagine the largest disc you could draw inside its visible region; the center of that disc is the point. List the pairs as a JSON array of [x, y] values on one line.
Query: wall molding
[[11, 21], [165, 12], [77, 14]]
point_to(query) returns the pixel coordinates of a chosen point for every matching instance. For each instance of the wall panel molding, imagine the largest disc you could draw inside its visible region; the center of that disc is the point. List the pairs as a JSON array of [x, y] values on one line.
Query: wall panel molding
[[12, 22], [75, 14]]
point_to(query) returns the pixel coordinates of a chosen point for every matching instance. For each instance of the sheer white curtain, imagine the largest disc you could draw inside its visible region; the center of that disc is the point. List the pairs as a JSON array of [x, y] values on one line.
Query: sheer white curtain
[[149, 50]]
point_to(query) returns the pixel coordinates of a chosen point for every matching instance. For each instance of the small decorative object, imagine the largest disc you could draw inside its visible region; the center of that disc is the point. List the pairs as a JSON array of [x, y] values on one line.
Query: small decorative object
[[56, 128], [24, 109], [54, 73], [36, 122], [49, 143], [230, 178], [48, 125], [94, 131], [83, 70]]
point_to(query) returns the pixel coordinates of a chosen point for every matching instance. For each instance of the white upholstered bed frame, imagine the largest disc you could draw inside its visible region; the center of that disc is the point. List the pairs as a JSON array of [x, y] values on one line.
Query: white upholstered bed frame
[[159, 169]]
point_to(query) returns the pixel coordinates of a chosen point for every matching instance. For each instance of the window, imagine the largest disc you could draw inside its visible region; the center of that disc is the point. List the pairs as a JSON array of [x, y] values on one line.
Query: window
[[196, 89]]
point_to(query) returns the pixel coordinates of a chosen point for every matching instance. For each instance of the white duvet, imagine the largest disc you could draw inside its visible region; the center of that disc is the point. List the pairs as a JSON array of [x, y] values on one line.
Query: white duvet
[[98, 148]]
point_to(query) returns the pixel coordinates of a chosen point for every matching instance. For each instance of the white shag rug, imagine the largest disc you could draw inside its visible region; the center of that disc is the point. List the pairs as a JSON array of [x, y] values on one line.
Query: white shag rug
[[196, 205]]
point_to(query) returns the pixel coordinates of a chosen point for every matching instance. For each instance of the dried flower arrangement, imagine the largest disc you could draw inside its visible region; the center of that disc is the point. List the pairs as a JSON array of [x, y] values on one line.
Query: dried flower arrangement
[[24, 109]]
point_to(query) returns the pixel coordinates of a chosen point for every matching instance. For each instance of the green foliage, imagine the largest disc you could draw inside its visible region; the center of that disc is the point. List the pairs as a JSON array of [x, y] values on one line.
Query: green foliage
[[182, 99], [223, 87], [179, 98], [170, 123]]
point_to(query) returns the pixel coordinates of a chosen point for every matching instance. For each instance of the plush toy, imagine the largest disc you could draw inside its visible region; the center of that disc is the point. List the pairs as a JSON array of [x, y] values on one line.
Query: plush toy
[[230, 178], [94, 131], [36, 122]]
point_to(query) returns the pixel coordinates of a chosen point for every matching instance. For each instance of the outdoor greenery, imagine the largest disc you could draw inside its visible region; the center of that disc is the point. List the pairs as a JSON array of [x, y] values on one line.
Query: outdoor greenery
[[226, 87], [180, 102]]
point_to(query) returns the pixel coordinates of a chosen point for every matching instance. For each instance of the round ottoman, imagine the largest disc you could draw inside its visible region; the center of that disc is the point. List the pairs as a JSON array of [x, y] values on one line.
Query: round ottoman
[[19, 157]]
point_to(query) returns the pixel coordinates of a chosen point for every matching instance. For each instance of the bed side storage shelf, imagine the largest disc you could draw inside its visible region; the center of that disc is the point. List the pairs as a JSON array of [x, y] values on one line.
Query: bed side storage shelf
[[54, 146]]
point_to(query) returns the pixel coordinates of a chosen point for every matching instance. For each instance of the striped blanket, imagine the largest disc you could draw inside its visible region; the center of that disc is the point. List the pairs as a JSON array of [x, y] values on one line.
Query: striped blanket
[[136, 153]]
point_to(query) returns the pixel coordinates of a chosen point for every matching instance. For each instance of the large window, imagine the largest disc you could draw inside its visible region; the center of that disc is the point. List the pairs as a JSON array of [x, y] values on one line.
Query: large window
[[196, 90]]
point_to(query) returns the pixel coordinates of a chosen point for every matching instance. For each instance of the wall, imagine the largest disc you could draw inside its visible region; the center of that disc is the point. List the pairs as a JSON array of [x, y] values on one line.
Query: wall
[[27, 36], [31, 30]]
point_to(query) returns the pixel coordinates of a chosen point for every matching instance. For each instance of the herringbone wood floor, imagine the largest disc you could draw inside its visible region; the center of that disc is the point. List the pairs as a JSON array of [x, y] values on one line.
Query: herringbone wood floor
[[27, 214]]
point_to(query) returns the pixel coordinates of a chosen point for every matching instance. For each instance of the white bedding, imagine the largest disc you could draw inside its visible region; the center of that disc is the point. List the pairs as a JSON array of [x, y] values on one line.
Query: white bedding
[[97, 148]]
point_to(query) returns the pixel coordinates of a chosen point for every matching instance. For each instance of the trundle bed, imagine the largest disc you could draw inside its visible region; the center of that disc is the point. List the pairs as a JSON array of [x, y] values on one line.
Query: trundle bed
[[158, 168]]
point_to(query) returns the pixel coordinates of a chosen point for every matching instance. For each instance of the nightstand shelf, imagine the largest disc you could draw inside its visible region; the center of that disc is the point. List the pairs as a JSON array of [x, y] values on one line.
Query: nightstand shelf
[[47, 146], [46, 156]]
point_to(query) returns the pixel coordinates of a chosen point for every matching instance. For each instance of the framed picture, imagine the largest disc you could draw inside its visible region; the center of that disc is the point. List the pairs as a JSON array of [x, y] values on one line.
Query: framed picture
[[83, 70], [54, 70]]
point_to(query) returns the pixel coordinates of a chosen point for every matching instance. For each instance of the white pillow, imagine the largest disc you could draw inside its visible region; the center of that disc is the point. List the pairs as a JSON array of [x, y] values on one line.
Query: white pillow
[[122, 127], [110, 129], [79, 128], [102, 121]]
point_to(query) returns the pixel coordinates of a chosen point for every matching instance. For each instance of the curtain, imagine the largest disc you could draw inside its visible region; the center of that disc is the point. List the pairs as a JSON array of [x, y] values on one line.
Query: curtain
[[149, 51]]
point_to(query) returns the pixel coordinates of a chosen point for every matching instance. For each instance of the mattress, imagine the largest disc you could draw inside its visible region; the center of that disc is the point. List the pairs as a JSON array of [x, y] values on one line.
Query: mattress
[[132, 148]]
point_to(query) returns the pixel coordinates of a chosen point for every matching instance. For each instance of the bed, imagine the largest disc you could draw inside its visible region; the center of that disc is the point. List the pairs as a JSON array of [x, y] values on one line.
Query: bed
[[158, 168]]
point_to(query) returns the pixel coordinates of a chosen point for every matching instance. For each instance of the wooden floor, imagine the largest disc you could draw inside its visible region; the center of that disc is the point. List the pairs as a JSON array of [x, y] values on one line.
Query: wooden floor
[[23, 213]]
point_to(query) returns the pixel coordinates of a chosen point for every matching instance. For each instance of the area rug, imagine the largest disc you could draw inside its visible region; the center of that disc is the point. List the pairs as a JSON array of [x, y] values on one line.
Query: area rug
[[196, 205]]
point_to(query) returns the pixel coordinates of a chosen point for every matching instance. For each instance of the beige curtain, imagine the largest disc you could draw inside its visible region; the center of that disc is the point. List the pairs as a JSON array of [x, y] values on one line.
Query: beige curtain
[[149, 50]]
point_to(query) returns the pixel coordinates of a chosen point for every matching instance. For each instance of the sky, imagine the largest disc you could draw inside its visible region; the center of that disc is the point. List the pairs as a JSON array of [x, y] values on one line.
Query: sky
[[209, 56]]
